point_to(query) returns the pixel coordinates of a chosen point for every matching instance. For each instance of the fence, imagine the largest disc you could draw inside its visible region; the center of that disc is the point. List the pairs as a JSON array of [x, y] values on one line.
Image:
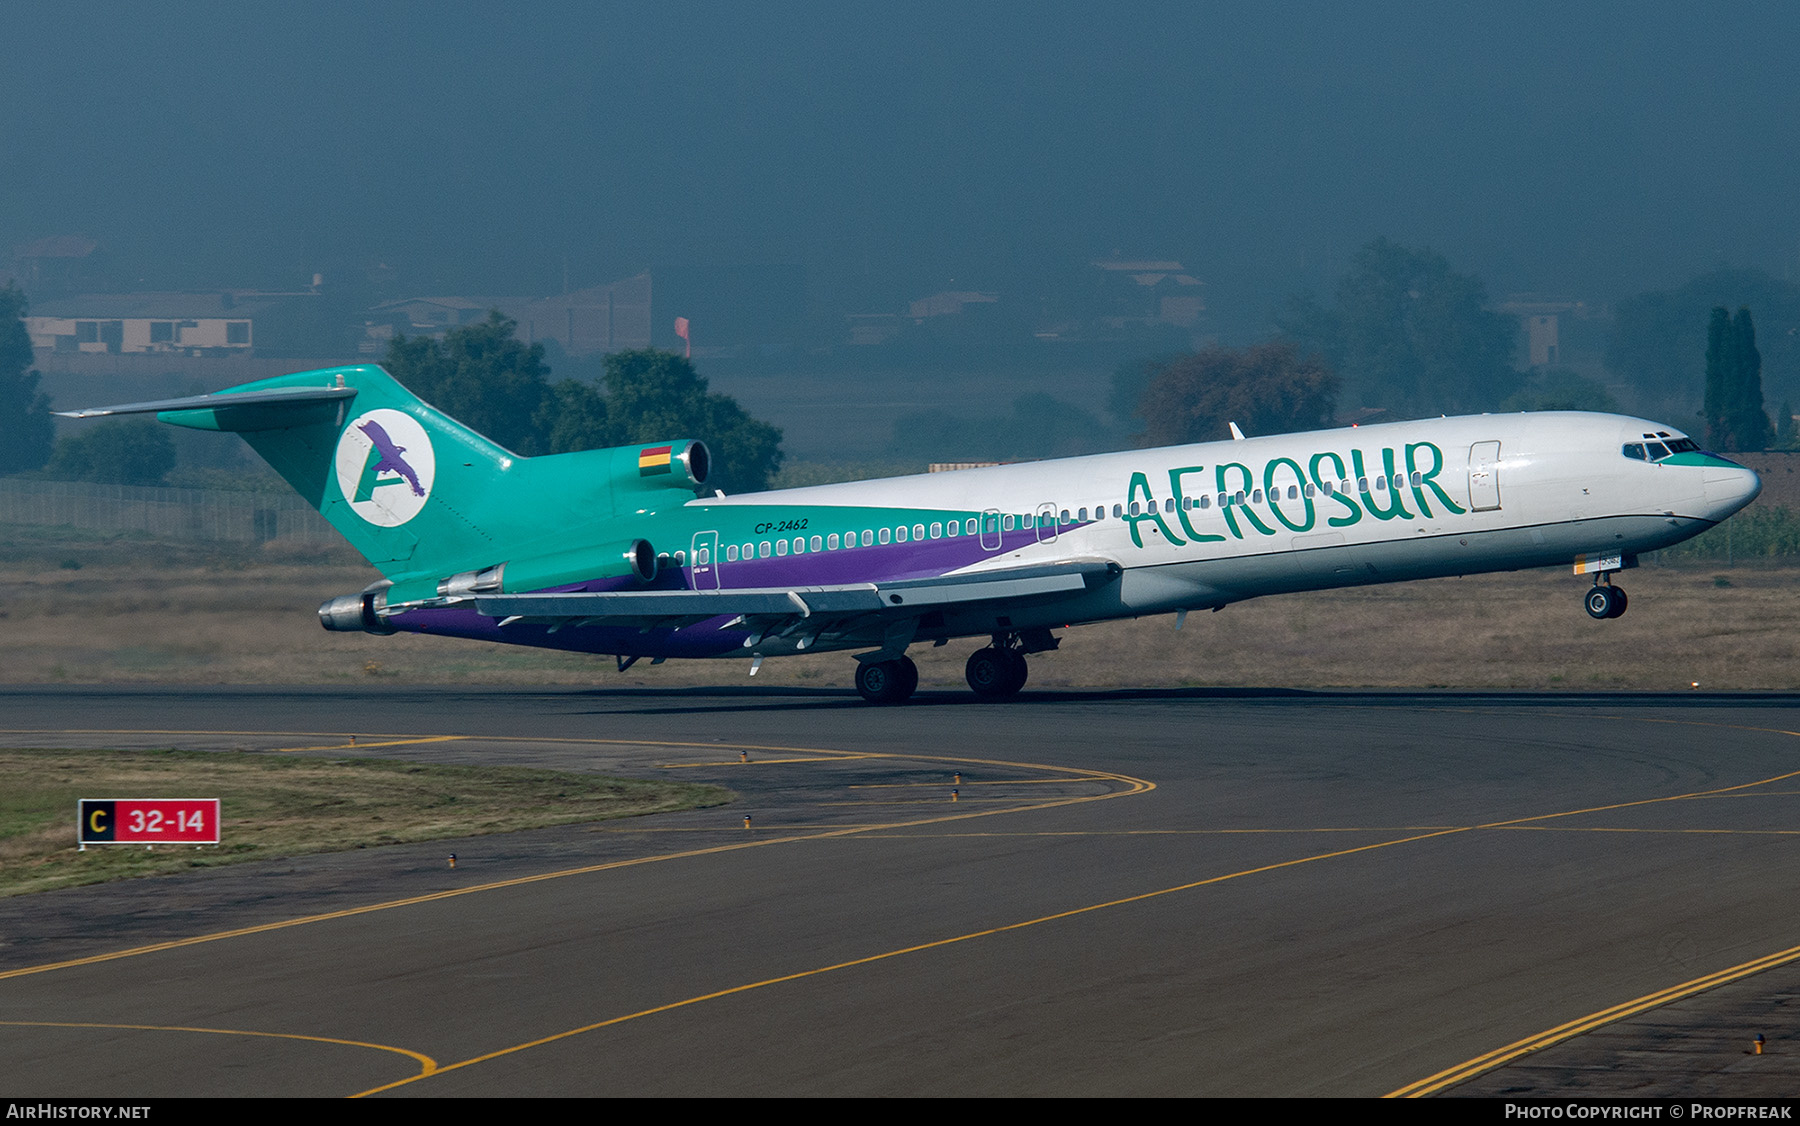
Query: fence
[[175, 514]]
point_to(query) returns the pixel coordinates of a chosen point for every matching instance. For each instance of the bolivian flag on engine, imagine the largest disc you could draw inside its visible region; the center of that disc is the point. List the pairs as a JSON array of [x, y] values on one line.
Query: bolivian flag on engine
[[654, 460]]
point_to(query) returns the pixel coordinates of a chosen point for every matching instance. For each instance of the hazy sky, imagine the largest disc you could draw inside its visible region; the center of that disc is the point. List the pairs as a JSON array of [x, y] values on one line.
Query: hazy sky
[[1593, 149]]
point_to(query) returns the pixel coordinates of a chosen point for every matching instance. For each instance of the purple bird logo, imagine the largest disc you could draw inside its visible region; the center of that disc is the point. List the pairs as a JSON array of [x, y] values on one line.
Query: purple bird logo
[[388, 461]]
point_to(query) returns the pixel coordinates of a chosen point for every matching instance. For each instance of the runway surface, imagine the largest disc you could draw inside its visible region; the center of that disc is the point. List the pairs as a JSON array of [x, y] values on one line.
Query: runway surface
[[1181, 892]]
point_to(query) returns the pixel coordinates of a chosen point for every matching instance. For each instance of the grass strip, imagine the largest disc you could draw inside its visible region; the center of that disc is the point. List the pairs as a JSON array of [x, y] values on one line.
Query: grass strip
[[276, 806]]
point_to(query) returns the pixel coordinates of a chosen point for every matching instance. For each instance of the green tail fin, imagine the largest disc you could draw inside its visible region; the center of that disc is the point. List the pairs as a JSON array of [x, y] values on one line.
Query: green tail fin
[[420, 494]]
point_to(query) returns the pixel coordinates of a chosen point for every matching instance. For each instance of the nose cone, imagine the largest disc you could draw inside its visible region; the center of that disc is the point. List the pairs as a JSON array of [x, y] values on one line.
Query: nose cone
[[1729, 488]]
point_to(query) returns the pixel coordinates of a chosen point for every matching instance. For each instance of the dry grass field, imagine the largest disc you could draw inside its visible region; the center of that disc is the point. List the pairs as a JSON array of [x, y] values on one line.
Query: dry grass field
[[289, 806], [117, 610]]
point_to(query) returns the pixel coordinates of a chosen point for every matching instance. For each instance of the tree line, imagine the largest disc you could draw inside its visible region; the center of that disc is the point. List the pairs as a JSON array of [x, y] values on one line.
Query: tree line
[[481, 374]]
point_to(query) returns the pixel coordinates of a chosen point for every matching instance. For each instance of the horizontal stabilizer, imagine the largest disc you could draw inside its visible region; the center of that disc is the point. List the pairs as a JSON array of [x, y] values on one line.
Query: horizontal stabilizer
[[280, 396]]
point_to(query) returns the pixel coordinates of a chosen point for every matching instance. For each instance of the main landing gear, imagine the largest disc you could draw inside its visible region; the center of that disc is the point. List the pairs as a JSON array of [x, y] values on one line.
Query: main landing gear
[[887, 682], [996, 673], [1605, 600]]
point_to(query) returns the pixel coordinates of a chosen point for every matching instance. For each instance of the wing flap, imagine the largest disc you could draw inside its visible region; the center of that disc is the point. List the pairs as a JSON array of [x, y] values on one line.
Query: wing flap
[[648, 608]]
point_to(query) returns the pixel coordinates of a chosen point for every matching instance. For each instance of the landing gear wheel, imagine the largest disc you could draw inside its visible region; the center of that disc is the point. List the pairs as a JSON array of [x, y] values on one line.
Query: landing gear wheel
[[887, 682], [995, 674], [1605, 602], [1020, 670]]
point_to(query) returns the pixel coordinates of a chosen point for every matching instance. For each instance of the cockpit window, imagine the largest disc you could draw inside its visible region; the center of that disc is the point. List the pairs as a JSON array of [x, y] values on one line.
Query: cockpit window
[[1657, 451]]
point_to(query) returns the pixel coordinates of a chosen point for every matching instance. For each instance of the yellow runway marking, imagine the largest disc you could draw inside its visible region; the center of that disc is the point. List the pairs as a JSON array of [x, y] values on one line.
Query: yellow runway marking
[[427, 1065], [1451, 1076], [923, 946], [381, 743], [1703, 832], [764, 762], [1131, 786], [991, 782], [1430, 835], [1469, 1069]]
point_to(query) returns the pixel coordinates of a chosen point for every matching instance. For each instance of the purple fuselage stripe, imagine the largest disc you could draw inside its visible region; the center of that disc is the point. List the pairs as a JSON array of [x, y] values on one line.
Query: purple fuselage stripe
[[884, 562]]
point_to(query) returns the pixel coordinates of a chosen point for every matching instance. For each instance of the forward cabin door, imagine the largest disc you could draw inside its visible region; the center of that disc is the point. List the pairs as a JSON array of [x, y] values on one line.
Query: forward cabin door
[[703, 561], [1484, 476]]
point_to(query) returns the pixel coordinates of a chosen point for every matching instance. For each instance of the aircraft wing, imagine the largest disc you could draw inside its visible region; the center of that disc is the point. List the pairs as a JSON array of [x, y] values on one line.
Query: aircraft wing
[[812, 610]]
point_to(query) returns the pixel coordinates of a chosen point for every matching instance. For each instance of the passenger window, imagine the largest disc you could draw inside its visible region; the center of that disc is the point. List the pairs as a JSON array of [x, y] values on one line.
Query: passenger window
[[918, 531], [730, 552], [937, 530], [762, 549], [1255, 496], [1006, 524], [831, 542], [817, 543], [868, 537], [1307, 490], [1065, 516], [781, 547], [900, 534], [799, 545], [953, 528], [1238, 497], [1417, 479], [1362, 484], [969, 526], [1205, 500], [885, 535], [1118, 511]]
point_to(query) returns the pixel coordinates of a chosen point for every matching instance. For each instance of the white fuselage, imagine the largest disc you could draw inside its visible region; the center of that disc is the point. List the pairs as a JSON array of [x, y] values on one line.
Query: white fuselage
[[1361, 505]]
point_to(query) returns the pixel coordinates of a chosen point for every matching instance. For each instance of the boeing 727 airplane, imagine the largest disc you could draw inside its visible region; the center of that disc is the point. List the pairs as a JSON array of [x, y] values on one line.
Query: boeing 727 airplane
[[625, 552]]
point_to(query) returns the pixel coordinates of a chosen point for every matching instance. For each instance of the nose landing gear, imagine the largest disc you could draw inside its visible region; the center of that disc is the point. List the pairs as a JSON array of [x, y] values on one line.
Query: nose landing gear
[[1605, 600]]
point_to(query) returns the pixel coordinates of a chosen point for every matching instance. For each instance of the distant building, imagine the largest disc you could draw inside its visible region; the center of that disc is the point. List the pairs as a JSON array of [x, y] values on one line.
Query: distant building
[[1541, 321], [1149, 292], [599, 319], [947, 304], [420, 316], [194, 324], [872, 329], [730, 309]]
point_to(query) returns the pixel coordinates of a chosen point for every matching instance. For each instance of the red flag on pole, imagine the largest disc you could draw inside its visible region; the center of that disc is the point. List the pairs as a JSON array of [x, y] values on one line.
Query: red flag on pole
[[681, 330]]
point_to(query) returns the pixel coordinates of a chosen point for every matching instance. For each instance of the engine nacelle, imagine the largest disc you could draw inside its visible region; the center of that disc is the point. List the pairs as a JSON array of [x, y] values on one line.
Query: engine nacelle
[[625, 558], [349, 613]]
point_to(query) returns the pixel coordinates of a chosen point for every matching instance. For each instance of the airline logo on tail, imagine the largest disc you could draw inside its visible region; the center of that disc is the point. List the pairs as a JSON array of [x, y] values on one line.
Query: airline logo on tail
[[385, 467]]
